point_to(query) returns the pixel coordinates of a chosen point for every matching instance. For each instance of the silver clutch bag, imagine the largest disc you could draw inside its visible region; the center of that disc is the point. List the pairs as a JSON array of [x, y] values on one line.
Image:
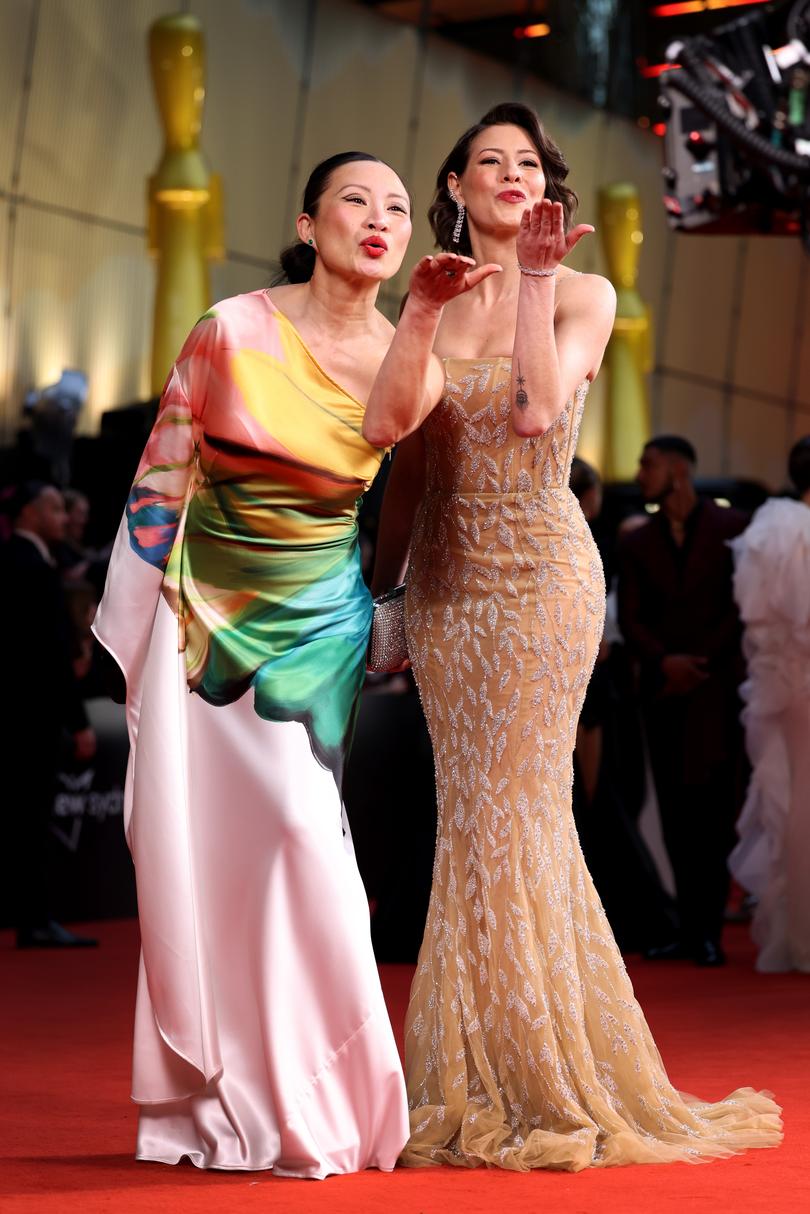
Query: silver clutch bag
[[387, 645]]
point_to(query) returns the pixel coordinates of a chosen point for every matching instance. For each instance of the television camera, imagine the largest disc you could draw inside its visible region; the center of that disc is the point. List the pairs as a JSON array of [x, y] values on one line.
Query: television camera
[[737, 141]]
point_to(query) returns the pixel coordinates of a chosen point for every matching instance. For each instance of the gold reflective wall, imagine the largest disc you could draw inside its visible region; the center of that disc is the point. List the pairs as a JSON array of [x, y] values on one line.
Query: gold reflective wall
[[288, 82]]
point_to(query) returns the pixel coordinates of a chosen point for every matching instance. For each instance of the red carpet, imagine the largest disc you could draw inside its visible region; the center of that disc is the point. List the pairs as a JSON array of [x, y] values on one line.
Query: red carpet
[[68, 1128]]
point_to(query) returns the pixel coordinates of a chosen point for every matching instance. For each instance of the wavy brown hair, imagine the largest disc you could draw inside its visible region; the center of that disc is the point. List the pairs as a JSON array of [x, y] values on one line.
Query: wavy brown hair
[[443, 211]]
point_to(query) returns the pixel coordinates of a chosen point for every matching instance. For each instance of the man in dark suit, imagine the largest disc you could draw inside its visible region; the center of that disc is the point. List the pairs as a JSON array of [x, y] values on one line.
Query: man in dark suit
[[42, 707], [677, 614]]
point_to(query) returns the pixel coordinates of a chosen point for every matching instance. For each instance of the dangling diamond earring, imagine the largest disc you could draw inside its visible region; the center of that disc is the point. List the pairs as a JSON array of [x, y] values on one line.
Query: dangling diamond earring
[[460, 219]]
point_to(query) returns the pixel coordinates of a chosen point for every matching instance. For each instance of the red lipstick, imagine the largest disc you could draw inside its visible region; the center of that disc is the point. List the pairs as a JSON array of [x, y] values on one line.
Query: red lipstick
[[375, 246], [512, 196]]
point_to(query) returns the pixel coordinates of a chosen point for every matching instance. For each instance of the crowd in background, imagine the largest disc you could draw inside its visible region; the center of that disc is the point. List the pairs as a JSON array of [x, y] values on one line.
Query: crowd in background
[[46, 611], [707, 608], [687, 641]]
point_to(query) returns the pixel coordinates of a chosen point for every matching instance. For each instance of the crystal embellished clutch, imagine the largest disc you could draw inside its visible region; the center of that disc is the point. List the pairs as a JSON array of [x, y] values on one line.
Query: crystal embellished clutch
[[387, 645]]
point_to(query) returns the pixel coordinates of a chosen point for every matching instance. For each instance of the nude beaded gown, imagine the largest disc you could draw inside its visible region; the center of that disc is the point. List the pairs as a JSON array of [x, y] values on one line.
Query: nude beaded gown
[[525, 1046]]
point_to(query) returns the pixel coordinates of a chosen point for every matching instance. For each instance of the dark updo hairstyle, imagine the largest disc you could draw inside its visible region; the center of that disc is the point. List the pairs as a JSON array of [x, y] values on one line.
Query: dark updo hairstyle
[[444, 212], [298, 259], [799, 465]]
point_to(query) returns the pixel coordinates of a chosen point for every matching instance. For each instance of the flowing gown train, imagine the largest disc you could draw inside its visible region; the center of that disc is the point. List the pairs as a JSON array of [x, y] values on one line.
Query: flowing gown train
[[525, 1046]]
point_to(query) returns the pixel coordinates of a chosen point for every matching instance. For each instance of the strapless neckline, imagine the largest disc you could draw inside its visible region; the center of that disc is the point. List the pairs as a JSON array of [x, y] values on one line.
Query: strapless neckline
[[507, 358]]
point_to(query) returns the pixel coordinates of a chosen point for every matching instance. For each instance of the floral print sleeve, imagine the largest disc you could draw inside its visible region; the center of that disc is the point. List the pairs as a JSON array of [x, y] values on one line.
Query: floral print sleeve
[[162, 481]]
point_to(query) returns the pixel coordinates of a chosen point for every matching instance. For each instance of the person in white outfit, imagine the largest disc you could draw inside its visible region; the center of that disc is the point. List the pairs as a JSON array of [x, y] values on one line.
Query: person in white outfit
[[772, 589]]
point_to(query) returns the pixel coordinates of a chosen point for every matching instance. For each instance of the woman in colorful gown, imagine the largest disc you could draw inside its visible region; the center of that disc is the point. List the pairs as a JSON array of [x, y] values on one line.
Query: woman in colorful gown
[[772, 589], [261, 1036], [525, 1046]]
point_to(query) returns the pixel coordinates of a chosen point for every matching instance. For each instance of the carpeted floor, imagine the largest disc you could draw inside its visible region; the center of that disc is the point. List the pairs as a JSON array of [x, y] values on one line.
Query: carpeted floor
[[67, 1127]]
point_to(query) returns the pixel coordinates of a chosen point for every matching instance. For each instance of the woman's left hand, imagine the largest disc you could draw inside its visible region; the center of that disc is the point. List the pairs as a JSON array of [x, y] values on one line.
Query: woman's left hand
[[542, 241]]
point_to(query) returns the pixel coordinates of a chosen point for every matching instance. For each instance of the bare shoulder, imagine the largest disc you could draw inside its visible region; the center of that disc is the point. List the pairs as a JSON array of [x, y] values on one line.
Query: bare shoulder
[[588, 287], [586, 293]]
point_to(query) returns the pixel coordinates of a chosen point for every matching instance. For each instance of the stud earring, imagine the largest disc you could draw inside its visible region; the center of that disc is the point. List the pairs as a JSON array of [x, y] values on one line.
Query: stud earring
[[460, 218], [310, 241]]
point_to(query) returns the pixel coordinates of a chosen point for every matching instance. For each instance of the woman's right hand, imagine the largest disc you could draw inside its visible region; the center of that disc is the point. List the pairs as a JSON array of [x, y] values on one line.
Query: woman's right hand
[[435, 280], [542, 241]]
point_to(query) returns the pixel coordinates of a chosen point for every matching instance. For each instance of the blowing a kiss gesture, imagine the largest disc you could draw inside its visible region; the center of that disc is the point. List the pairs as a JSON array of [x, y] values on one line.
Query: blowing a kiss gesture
[[435, 280], [411, 378], [564, 319], [542, 241]]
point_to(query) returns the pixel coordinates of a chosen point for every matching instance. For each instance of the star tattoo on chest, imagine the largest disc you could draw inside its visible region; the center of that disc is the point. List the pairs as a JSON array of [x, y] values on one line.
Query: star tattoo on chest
[[521, 396]]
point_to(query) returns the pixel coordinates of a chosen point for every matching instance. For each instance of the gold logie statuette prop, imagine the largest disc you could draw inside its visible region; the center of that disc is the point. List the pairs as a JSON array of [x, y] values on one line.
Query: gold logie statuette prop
[[185, 198], [628, 359]]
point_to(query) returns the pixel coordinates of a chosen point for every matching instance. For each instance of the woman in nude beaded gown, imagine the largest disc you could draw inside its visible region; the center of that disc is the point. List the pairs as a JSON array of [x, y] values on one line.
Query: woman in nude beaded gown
[[525, 1046]]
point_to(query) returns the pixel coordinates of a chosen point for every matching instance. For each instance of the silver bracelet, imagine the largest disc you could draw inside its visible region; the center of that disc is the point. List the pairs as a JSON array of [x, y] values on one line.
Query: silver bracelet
[[537, 273]]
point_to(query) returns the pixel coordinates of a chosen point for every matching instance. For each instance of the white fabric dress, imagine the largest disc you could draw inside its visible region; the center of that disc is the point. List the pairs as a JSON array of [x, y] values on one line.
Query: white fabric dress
[[772, 858]]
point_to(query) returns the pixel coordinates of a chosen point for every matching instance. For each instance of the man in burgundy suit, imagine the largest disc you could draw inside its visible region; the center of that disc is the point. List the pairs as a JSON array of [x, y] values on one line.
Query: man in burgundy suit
[[678, 616]]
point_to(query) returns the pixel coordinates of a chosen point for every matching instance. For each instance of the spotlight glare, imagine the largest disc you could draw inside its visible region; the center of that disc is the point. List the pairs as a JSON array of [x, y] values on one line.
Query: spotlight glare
[[651, 71], [698, 6], [540, 30]]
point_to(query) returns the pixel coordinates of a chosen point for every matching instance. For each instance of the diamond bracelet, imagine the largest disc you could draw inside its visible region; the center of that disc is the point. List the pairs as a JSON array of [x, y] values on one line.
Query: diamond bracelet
[[537, 273]]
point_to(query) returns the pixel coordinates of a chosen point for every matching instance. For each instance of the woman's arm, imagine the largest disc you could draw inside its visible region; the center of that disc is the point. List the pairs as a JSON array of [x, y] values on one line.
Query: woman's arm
[[140, 566], [410, 380], [556, 348], [403, 493]]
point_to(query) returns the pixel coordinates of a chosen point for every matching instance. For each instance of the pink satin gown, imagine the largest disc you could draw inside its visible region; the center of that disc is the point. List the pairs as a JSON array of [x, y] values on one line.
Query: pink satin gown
[[236, 608]]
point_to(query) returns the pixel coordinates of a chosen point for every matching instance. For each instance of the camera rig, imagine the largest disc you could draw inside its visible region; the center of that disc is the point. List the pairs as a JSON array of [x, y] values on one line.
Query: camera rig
[[737, 141]]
